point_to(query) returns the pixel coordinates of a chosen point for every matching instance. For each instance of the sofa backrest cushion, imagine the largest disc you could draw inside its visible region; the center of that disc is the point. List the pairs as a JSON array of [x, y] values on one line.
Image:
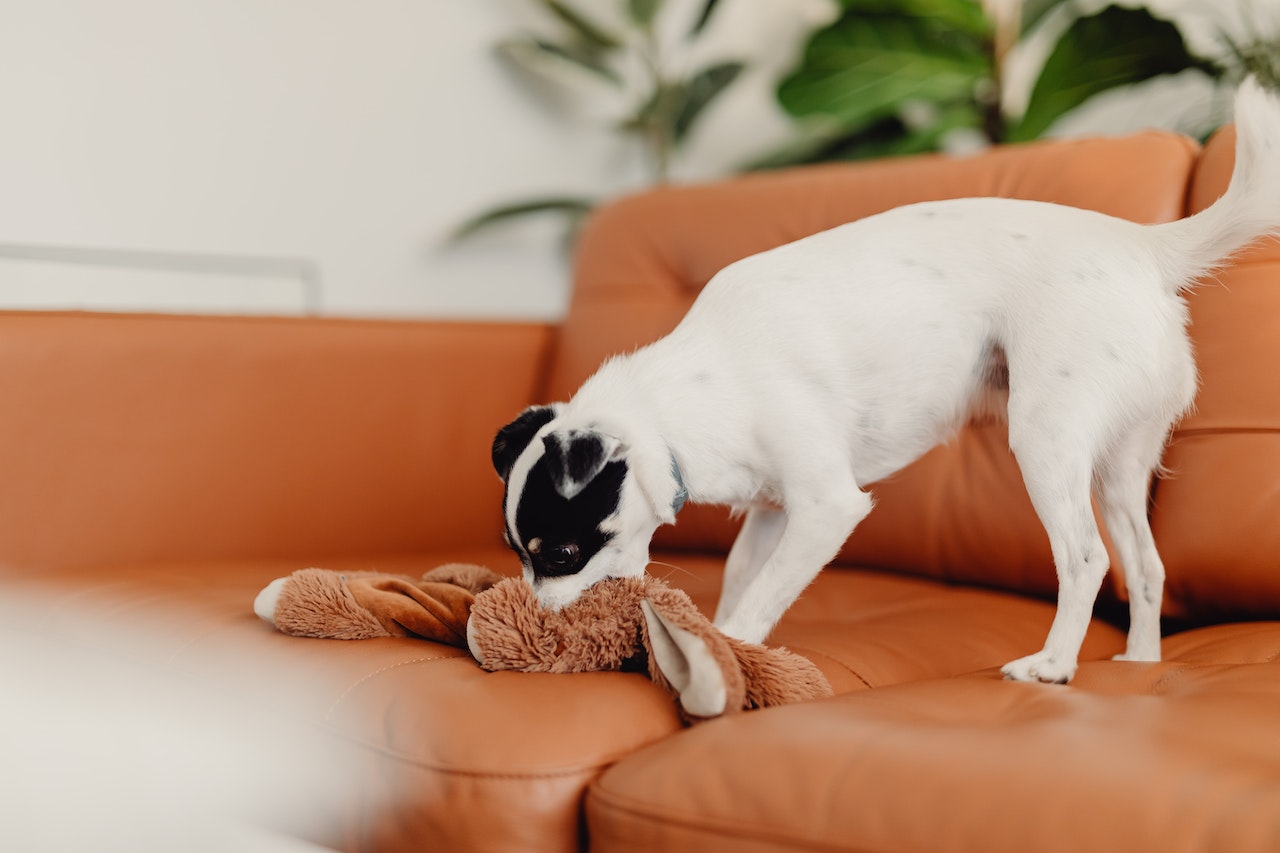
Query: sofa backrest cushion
[[1216, 516], [961, 512]]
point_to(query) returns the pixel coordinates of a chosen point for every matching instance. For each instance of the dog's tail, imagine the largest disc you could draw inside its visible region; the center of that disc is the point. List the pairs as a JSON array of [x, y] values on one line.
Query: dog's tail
[[1250, 208]]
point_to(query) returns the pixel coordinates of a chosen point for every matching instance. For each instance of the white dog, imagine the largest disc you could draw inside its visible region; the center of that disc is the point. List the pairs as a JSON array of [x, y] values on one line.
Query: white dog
[[804, 373]]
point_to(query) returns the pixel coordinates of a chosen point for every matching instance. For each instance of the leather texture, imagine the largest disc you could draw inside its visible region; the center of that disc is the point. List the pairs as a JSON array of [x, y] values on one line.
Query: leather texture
[[140, 438], [453, 758], [1177, 756]]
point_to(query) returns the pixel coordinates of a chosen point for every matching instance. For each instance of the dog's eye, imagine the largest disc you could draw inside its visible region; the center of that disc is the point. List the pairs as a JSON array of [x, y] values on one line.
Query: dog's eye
[[561, 558]]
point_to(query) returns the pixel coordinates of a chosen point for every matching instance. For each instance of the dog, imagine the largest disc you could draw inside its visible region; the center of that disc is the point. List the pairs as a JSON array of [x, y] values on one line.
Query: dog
[[806, 372]]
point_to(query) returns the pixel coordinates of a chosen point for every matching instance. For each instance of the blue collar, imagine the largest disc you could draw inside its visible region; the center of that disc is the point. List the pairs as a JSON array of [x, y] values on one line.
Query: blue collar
[[682, 493]]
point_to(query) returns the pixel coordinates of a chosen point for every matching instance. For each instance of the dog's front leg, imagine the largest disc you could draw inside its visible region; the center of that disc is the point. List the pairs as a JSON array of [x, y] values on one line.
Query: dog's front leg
[[815, 527], [758, 538]]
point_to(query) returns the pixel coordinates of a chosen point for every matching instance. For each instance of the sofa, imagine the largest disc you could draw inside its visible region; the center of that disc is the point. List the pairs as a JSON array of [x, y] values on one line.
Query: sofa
[[160, 470]]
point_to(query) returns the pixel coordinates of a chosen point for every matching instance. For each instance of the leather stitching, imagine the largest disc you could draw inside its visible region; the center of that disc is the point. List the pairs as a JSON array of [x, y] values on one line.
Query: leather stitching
[[724, 829], [336, 702], [814, 653]]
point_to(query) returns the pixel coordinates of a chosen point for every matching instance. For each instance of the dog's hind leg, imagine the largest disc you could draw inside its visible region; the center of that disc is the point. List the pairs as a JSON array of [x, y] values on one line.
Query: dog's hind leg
[[758, 538], [1124, 482], [1057, 467]]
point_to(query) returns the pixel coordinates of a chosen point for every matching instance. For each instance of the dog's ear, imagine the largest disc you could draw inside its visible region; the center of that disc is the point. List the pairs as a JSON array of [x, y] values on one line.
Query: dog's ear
[[513, 438], [575, 456], [658, 475]]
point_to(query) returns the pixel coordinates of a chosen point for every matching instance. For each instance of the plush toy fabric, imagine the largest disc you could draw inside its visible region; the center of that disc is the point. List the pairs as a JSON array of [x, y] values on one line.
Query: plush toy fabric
[[637, 624], [362, 605]]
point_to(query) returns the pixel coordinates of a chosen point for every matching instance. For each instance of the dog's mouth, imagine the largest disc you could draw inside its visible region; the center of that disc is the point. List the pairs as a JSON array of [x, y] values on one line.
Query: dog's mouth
[[553, 595]]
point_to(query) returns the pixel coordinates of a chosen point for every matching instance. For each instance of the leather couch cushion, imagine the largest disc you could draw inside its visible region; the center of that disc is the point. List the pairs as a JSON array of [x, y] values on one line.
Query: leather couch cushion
[[961, 512], [1174, 756], [457, 758], [1215, 516], [453, 758]]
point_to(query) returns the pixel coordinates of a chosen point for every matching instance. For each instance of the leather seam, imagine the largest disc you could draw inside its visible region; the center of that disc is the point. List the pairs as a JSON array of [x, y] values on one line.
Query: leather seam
[[813, 652], [588, 769], [366, 677], [592, 769], [1196, 432], [724, 828]]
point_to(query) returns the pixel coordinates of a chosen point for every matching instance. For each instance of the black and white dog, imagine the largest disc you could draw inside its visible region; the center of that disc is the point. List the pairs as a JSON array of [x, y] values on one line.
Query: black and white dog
[[804, 373]]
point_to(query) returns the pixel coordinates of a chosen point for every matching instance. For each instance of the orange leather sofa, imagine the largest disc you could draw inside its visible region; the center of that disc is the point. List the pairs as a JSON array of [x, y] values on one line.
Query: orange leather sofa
[[167, 468]]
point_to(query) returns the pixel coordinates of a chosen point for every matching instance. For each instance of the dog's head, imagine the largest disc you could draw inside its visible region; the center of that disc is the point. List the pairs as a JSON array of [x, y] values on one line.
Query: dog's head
[[581, 503]]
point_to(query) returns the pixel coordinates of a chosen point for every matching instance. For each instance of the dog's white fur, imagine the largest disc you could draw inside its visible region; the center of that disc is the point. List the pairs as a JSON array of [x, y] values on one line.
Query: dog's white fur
[[804, 373]]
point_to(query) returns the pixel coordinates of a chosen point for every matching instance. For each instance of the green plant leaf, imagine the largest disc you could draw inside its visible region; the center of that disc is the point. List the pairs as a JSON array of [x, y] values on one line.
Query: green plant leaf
[[967, 16], [894, 138], [1259, 56], [538, 56], [863, 67], [824, 141], [659, 109], [708, 9], [1115, 47], [574, 208], [703, 88], [583, 29], [643, 11]]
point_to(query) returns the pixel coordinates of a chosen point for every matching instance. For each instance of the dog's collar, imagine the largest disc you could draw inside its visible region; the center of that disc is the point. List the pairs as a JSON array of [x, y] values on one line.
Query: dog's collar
[[682, 493]]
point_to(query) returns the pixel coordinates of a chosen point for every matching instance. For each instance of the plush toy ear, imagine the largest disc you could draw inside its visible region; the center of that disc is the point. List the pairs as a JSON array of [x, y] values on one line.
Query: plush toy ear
[[713, 673], [513, 438], [691, 663], [575, 456]]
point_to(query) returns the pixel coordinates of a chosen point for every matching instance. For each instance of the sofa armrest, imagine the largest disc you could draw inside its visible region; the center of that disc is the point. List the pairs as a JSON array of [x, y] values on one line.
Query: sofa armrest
[[129, 438]]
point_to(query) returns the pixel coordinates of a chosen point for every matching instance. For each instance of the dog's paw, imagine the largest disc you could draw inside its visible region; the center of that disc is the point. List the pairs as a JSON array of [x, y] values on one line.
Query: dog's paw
[[1039, 667]]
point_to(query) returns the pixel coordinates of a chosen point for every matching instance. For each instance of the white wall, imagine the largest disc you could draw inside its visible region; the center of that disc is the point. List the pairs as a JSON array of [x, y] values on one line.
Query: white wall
[[285, 156], [238, 155]]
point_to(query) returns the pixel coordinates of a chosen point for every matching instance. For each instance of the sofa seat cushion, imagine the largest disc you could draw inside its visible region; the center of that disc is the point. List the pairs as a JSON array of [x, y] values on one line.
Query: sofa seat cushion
[[498, 761], [453, 758], [1180, 755]]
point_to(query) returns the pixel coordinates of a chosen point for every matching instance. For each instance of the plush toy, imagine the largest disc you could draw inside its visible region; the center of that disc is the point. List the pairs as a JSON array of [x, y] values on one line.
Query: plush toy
[[362, 605], [637, 624]]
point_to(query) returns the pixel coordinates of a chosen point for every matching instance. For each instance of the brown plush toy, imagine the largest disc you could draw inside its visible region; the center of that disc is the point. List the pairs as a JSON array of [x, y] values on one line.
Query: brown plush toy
[[626, 623], [362, 605]]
